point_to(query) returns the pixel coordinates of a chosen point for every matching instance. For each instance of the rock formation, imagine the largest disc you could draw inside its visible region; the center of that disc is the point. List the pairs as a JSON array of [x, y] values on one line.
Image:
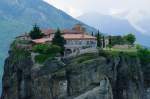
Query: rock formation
[[88, 76]]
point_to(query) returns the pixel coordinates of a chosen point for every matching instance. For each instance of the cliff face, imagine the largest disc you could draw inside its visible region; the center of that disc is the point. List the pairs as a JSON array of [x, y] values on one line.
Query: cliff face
[[89, 76]]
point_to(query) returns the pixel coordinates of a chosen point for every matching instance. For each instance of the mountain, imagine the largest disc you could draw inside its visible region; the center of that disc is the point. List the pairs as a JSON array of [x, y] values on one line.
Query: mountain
[[18, 16], [114, 26]]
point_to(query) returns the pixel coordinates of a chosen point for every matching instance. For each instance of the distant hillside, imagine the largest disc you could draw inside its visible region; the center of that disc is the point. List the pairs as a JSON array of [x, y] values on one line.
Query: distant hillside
[[18, 16], [113, 25]]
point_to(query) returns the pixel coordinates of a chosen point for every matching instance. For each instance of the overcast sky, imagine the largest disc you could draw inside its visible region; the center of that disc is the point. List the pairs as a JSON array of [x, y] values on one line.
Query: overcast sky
[[78, 7], [133, 10]]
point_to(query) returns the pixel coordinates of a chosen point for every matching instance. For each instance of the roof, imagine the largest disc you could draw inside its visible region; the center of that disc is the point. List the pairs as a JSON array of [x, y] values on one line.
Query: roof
[[73, 34], [78, 37], [65, 31], [67, 37], [42, 40]]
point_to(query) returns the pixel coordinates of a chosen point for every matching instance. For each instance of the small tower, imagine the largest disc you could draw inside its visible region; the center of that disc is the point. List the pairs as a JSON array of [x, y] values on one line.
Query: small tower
[[79, 28]]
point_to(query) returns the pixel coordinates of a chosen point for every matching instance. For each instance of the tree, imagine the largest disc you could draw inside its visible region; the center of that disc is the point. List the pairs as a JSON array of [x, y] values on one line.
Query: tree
[[103, 42], [36, 32], [117, 40], [98, 36], [59, 41], [144, 55], [110, 41], [130, 38], [92, 34]]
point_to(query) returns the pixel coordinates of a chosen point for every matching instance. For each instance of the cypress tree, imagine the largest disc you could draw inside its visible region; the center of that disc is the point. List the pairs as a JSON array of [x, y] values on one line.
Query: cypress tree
[[103, 41], [110, 42], [36, 33], [92, 34], [98, 36], [59, 41]]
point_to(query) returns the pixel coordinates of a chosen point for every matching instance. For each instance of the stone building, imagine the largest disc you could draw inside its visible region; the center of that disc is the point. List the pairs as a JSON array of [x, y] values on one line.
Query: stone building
[[77, 39]]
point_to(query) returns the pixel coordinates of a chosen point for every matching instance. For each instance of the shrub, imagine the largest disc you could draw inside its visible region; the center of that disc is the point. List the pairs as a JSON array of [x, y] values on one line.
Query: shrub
[[144, 55], [130, 38], [41, 58], [41, 48], [46, 49]]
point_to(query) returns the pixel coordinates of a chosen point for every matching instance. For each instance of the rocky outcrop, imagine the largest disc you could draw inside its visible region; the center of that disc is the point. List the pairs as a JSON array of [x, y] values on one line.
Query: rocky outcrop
[[88, 76]]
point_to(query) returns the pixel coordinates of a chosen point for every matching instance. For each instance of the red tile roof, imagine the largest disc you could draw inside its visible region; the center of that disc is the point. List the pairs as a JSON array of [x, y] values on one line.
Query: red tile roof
[[67, 34], [65, 31], [78, 37], [42, 40]]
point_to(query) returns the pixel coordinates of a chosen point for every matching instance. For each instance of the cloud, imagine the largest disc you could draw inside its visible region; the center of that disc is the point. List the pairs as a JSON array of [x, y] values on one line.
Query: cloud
[[75, 7], [68, 8], [133, 10]]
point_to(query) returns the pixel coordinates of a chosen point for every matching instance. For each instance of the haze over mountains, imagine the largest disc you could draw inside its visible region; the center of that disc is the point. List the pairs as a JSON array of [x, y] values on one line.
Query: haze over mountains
[[116, 26]]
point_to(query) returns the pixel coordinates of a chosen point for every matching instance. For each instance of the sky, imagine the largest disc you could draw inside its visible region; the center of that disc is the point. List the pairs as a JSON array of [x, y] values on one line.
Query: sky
[[133, 10], [77, 7]]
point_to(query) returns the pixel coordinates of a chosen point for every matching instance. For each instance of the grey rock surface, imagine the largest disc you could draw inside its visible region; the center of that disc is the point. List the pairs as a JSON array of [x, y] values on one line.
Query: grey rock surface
[[97, 77]]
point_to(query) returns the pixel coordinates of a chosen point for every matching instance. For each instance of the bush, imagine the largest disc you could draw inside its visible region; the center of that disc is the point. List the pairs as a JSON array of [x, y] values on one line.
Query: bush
[[130, 38], [40, 58], [40, 48], [144, 55], [46, 49]]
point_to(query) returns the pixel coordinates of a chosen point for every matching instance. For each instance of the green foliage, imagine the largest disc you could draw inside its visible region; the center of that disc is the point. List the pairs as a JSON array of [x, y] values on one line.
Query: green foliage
[[41, 48], [117, 40], [92, 34], [99, 41], [138, 47], [18, 53], [42, 58], [103, 42], [110, 42], [59, 40], [45, 51], [144, 55], [116, 52], [120, 40], [130, 38], [36, 33]]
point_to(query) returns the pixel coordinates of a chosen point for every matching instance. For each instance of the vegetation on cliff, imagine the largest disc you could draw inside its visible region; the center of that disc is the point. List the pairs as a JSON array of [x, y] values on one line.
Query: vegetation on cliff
[[144, 55], [45, 51], [112, 72], [107, 71]]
